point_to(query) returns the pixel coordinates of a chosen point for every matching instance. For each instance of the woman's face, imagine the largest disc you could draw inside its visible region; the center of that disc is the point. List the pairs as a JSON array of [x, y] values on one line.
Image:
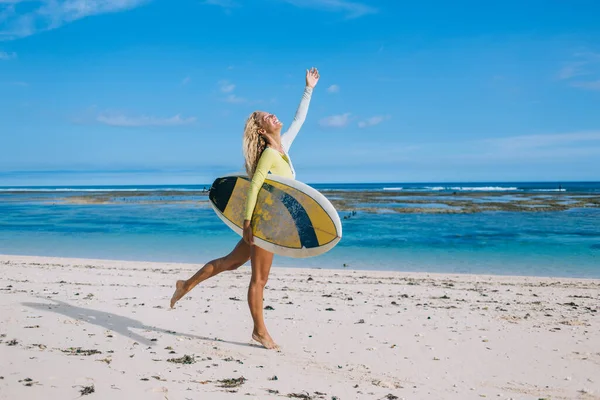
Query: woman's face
[[269, 122]]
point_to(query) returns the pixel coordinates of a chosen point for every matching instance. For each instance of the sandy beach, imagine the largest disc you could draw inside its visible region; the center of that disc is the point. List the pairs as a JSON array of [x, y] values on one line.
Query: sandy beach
[[72, 328]]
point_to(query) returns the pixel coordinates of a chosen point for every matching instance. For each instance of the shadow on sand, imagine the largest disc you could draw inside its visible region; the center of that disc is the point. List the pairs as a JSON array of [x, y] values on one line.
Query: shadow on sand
[[117, 323]]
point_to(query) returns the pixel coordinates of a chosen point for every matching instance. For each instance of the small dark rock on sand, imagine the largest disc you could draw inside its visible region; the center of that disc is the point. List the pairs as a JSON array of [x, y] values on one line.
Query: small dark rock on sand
[[87, 390], [28, 382]]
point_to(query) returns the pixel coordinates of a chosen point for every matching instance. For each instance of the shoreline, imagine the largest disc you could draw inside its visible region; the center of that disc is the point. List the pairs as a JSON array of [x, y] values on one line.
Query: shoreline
[[188, 266]]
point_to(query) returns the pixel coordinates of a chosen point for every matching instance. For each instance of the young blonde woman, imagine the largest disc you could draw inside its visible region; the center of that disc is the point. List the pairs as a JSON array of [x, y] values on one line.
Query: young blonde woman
[[265, 151]]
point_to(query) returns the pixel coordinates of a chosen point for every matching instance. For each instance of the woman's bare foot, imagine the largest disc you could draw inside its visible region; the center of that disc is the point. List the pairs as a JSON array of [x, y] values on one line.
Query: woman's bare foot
[[179, 292], [265, 340]]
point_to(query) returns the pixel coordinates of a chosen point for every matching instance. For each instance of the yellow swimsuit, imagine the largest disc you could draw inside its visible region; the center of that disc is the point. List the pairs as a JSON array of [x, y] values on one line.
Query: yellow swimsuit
[[273, 161]]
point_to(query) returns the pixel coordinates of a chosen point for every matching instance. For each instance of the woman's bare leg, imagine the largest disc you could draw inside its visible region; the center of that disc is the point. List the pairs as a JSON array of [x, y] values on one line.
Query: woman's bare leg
[[261, 266], [238, 256]]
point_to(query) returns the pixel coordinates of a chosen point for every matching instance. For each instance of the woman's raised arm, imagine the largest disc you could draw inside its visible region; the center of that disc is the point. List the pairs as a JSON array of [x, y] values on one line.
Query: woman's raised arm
[[312, 78]]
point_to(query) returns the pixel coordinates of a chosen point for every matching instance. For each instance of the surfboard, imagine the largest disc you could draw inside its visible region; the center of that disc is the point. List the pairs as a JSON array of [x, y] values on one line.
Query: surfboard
[[290, 217]]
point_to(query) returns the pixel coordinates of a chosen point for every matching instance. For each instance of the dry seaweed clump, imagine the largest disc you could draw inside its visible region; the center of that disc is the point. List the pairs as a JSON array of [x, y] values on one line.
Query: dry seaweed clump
[[232, 382], [307, 396], [77, 351], [183, 360]]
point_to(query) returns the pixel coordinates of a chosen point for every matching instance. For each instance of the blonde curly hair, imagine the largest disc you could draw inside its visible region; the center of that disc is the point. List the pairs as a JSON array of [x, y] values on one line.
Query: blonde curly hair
[[253, 143]]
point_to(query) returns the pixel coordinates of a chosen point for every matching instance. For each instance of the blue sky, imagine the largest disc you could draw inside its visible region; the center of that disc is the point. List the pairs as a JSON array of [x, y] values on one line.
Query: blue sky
[[142, 91]]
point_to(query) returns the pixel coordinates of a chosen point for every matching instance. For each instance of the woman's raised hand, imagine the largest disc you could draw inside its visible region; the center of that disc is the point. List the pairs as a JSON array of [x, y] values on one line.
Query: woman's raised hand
[[312, 77]]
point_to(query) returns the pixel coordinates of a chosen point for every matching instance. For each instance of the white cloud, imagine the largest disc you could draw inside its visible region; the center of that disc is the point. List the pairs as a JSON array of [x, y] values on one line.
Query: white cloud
[[349, 8], [226, 86], [232, 98], [5, 13], [333, 89], [530, 142], [588, 55], [335, 121], [51, 14], [589, 85], [562, 151], [571, 70], [7, 56], [584, 63], [373, 121], [143, 120], [550, 148], [564, 148], [186, 80]]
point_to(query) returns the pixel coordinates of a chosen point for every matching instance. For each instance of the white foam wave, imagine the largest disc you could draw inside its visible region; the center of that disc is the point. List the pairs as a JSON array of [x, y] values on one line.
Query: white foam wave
[[392, 188], [468, 188], [486, 189]]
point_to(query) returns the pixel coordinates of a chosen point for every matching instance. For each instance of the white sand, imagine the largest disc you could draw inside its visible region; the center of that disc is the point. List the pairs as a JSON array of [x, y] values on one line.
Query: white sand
[[424, 336]]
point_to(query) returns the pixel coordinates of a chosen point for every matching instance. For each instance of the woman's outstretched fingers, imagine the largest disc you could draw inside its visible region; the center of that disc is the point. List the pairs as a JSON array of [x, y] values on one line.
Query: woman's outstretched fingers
[[312, 77]]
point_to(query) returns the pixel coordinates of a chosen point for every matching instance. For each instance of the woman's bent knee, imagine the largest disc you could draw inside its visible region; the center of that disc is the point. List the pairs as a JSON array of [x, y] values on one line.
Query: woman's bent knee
[[261, 282]]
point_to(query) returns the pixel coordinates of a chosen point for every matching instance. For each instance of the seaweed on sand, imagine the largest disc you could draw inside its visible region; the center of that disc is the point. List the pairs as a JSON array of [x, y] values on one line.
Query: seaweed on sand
[[232, 382], [183, 360]]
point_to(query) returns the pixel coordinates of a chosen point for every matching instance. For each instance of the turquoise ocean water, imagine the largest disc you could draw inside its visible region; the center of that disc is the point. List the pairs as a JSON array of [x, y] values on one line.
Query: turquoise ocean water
[[37, 221]]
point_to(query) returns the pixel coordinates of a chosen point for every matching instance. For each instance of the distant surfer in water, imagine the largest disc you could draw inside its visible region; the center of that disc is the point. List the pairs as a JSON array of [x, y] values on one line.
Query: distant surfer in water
[[265, 150]]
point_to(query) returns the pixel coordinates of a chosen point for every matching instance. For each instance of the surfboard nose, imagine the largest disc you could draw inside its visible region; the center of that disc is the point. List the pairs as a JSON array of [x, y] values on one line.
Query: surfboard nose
[[220, 192]]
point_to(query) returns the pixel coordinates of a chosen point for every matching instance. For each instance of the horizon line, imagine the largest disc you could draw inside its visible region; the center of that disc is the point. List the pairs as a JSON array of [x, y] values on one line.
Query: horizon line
[[308, 183]]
